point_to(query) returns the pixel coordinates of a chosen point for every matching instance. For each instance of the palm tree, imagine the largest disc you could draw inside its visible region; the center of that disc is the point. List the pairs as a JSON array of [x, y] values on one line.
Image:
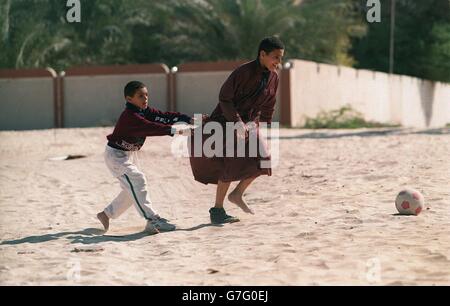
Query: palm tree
[[231, 29], [217, 29], [34, 33]]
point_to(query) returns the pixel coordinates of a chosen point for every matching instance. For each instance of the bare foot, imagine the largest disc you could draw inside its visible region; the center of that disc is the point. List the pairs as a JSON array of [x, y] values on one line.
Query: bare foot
[[236, 198], [104, 220]]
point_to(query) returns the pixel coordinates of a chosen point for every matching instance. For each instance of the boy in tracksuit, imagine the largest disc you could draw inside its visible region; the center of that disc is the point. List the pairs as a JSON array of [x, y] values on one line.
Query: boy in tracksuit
[[135, 123]]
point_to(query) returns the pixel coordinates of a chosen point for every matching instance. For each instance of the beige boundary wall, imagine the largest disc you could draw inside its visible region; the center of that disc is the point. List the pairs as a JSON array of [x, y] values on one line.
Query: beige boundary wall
[[197, 85], [93, 96], [27, 99], [381, 97]]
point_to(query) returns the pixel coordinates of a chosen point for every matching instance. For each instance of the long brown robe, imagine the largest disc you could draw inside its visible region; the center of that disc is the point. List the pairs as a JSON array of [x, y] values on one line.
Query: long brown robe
[[247, 95]]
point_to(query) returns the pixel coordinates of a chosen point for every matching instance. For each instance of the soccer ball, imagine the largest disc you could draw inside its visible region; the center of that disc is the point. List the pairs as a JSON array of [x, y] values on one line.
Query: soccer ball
[[409, 202]]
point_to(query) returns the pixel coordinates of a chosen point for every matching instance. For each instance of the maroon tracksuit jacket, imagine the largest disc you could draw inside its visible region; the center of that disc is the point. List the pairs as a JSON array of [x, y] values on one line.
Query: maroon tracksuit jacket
[[134, 125]]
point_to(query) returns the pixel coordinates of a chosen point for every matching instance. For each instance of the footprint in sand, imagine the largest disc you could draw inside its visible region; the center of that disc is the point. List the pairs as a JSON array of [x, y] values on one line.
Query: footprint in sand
[[306, 236], [376, 177], [293, 214], [283, 245], [274, 258], [438, 257], [87, 249]]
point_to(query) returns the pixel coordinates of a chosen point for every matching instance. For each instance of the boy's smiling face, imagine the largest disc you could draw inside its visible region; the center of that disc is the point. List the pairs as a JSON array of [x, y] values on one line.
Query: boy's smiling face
[[271, 60], [140, 98]]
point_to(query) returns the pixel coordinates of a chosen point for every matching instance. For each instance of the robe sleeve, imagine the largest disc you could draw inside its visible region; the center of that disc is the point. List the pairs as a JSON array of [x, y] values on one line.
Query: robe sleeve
[[226, 98], [268, 108]]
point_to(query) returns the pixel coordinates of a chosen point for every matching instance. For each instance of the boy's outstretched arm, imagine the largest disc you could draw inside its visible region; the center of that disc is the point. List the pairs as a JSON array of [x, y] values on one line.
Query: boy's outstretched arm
[[170, 118], [137, 126], [140, 127]]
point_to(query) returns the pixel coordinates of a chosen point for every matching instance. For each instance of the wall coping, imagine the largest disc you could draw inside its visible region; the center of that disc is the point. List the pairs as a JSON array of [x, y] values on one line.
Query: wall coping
[[210, 66], [27, 73], [117, 70]]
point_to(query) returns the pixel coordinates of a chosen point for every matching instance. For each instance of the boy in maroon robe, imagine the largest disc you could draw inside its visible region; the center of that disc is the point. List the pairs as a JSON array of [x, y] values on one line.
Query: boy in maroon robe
[[246, 98]]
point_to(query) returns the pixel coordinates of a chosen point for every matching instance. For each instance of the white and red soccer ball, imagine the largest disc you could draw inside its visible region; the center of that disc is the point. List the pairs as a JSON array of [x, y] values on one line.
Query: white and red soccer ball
[[409, 202]]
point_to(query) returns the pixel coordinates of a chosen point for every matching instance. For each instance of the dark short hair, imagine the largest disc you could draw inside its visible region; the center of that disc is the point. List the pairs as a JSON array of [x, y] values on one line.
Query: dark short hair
[[131, 88], [269, 44]]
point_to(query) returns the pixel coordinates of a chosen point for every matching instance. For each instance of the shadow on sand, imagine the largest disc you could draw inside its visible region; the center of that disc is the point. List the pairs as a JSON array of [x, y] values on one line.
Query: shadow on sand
[[93, 235], [402, 215], [332, 134]]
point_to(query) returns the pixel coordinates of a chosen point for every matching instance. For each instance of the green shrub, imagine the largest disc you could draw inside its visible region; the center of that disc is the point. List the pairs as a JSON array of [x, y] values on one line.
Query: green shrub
[[344, 118]]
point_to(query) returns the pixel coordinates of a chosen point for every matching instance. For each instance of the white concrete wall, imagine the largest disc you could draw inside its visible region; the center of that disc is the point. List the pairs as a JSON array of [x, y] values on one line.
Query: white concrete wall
[[98, 100], [378, 96], [26, 103], [441, 106], [198, 92]]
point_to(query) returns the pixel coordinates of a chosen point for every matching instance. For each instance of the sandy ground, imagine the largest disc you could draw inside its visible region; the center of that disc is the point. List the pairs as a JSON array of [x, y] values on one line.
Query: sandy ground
[[325, 217]]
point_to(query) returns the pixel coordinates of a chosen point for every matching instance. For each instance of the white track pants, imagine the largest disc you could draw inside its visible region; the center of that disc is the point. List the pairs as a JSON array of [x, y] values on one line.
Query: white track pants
[[133, 184]]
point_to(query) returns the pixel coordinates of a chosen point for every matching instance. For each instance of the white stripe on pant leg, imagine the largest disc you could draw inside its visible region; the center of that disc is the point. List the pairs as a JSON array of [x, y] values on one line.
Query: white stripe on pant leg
[[119, 163], [119, 205], [137, 188]]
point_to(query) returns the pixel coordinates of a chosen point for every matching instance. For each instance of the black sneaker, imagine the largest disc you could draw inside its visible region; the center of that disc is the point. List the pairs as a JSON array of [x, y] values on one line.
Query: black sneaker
[[219, 216]]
